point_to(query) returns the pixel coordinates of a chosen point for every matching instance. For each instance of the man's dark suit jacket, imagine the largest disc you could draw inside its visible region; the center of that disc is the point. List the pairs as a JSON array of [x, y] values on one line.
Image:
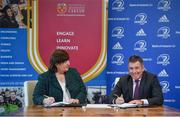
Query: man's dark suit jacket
[[49, 85], [150, 89]]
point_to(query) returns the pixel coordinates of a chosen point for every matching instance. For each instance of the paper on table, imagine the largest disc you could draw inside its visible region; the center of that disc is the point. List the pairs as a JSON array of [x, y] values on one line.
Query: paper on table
[[97, 106], [124, 105], [58, 104]]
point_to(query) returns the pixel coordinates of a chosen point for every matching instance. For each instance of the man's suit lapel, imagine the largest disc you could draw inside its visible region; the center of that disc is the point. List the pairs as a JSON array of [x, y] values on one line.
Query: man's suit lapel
[[142, 85], [130, 86]]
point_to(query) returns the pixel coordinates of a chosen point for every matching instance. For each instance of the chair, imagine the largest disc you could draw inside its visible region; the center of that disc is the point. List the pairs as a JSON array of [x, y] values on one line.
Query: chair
[[28, 91], [116, 81]]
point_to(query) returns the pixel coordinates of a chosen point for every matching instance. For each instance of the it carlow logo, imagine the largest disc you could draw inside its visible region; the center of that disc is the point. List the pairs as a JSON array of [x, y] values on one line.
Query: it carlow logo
[[71, 9], [62, 8]]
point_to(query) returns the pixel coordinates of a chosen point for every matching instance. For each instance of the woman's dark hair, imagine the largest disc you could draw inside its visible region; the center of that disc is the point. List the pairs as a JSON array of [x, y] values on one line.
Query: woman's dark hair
[[57, 57], [135, 58], [5, 10]]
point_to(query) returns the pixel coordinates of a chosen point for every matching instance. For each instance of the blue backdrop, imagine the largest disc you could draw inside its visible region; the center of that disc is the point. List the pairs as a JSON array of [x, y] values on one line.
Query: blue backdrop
[[151, 29]]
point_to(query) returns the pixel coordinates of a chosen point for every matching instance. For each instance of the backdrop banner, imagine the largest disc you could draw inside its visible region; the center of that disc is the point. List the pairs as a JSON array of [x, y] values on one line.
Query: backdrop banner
[[151, 29], [72, 26]]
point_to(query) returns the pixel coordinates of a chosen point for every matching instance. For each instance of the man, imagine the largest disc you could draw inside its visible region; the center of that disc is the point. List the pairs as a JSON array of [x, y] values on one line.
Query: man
[[2, 100], [7, 95], [13, 100], [139, 86]]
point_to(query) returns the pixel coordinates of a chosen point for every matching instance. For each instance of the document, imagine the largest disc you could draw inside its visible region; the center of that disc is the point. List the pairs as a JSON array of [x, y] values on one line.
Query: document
[[125, 105], [64, 104], [97, 106], [57, 104]]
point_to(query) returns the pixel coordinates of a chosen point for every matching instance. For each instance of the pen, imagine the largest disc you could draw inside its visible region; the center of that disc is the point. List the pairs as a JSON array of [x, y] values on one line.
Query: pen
[[114, 100], [119, 99], [46, 96], [116, 95]]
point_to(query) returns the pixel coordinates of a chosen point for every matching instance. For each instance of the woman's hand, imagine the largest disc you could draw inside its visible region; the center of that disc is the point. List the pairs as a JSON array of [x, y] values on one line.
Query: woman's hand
[[48, 101], [76, 101]]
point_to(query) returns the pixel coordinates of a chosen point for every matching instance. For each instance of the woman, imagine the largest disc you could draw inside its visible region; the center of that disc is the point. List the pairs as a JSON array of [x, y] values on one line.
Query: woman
[[60, 83], [8, 21]]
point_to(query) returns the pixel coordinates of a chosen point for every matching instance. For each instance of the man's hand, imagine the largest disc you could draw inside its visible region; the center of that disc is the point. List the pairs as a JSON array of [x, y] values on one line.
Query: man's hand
[[136, 102], [119, 100]]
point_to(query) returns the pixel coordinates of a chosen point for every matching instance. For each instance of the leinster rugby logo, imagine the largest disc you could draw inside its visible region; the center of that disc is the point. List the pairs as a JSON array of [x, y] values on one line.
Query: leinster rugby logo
[[164, 5], [165, 86], [118, 59], [118, 5], [163, 59], [62, 8], [140, 46], [163, 32], [140, 18], [118, 32]]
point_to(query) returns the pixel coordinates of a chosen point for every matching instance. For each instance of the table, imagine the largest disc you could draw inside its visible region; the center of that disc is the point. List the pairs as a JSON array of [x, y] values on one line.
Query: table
[[97, 112]]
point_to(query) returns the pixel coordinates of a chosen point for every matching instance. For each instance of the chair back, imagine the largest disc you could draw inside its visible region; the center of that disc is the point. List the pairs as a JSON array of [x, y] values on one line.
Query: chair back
[[116, 81], [28, 92]]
